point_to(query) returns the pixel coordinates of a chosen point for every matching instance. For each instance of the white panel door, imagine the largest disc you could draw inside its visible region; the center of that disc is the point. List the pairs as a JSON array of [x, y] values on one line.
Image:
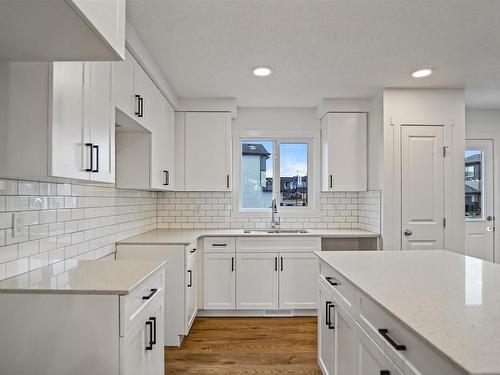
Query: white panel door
[[69, 155], [326, 330], [345, 342], [123, 86], [101, 121], [219, 281], [257, 281], [207, 153], [159, 149], [479, 217], [136, 360], [191, 308], [170, 146], [297, 280], [157, 355], [422, 187]]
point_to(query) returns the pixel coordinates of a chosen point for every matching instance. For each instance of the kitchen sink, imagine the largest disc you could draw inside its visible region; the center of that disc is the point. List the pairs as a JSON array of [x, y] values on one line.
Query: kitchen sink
[[276, 231]]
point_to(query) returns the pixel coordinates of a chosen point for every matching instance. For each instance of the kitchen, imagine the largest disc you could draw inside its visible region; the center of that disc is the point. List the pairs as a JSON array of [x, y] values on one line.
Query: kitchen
[[248, 187]]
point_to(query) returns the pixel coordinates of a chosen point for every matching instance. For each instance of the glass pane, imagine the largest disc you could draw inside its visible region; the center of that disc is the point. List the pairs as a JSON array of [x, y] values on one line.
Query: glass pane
[[473, 183], [256, 174], [293, 174]]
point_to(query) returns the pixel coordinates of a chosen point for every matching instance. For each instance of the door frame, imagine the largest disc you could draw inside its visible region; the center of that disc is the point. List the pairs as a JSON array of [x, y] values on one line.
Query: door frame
[[448, 127], [495, 138]]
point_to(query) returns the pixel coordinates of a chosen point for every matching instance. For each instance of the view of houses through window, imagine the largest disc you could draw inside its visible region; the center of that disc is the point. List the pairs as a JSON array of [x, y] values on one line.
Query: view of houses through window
[[473, 183], [258, 173]]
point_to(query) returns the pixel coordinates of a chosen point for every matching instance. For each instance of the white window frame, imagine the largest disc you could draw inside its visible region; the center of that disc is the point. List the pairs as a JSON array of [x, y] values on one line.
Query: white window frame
[[311, 138]]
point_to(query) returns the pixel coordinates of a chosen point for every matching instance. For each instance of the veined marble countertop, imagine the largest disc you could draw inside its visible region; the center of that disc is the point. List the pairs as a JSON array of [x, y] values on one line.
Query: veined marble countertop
[[185, 237], [450, 301], [83, 277]]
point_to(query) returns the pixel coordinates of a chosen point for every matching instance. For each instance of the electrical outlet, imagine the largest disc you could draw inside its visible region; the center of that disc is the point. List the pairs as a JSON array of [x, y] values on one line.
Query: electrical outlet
[[17, 224]]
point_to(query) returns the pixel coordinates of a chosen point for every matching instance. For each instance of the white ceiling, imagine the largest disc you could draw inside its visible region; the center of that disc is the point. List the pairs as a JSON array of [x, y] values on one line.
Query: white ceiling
[[321, 48]]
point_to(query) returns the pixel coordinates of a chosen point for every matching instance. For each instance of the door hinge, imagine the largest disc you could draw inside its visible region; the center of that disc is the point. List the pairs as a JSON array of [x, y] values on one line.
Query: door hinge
[[445, 148], [444, 222]]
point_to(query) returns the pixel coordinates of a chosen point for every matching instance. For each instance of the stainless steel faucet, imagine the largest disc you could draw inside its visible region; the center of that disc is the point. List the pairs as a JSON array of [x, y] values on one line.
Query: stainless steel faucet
[[274, 211]]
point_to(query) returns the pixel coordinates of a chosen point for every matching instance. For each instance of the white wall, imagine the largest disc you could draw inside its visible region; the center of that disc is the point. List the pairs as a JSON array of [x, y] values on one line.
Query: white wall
[[429, 103], [485, 124], [276, 119]]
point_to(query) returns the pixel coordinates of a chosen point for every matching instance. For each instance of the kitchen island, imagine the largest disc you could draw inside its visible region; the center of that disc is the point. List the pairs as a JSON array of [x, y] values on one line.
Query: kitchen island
[[415, 312], [84, 317]]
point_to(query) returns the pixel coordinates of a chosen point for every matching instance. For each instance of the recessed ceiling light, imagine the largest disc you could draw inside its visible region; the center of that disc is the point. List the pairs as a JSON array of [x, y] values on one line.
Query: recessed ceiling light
[[421, 73], [261, 71]]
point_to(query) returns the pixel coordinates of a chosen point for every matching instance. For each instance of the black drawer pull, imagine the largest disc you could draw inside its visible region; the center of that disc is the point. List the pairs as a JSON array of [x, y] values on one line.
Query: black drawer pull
[[150, 325], [385, 372], [385, 334], [153, 291], [153, 341], [192, 251], [331, 325], [331, 281], [328, 317], [232, 264], [190, 279], [138, 102], [219, 244]]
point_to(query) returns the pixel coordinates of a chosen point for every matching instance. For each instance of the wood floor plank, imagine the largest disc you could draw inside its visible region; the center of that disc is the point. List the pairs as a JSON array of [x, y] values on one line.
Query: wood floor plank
[[246, 346]]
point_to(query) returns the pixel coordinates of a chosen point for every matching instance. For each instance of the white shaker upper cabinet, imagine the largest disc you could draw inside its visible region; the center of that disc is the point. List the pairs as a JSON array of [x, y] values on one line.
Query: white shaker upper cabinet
[[62, 30], [208, 151], [132, 90], [344, 152]]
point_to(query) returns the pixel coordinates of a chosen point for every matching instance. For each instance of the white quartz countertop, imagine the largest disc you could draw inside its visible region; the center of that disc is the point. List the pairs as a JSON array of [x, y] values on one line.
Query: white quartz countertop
[[450, 301], [83, 277], [185, 237]]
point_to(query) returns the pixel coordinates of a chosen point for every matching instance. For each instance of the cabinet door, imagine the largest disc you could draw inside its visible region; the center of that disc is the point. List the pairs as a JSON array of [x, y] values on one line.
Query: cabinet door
[[371, 359], [344, 149], [256, 281], [191, 308], [123, 85], [156, 358], [142, 87], [207, 151], [326, 330], [101, 121], [345, 342], [69, 156], [219, 281], [159, 134], [297, 280], [136, 359], [170, 146]]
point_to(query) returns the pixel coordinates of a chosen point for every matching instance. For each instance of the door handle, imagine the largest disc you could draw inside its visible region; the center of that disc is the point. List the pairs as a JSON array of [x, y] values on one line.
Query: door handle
[[408, 232], [384, 332], [138, 103], [153, 340], [153, 291], [331, 181], [190, 279]]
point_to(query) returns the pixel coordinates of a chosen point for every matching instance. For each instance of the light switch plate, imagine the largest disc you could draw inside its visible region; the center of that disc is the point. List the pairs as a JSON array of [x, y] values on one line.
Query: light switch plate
[[17, 224]]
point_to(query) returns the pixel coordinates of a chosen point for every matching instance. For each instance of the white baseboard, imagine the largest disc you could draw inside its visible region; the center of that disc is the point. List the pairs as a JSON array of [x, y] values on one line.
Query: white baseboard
[[256, 313]]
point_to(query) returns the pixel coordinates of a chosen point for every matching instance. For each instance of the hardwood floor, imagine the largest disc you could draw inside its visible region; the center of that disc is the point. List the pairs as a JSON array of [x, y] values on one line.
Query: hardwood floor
[[247, 346]]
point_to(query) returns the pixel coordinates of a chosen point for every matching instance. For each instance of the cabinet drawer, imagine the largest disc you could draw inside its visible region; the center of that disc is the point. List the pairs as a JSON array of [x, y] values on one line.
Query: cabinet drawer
[[407, 351], [190, 250], [277, 244], [134, 304], [343, 289], [219, 244]]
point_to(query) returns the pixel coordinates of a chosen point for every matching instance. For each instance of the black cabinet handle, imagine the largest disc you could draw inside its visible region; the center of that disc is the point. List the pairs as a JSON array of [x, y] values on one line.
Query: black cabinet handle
[[96, 148], [385, 334], [165, 178], [153, 291], [219, 244], [385, 372], [192, 251], [276, 264], [331, 281], [281, 261], [91, 149], [190, 278], [150, 325], [227, 181], [168, 177], [153, 319], [141, 106], [138, 101], [331, 325], [331, 181], [327, 313], [232, 264]]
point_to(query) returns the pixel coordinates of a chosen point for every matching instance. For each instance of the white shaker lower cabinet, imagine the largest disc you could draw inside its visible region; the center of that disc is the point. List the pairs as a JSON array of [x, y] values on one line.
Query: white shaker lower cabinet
[[219, 283], [257, 281], [252, 273], [181, 283], [365, 340]]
